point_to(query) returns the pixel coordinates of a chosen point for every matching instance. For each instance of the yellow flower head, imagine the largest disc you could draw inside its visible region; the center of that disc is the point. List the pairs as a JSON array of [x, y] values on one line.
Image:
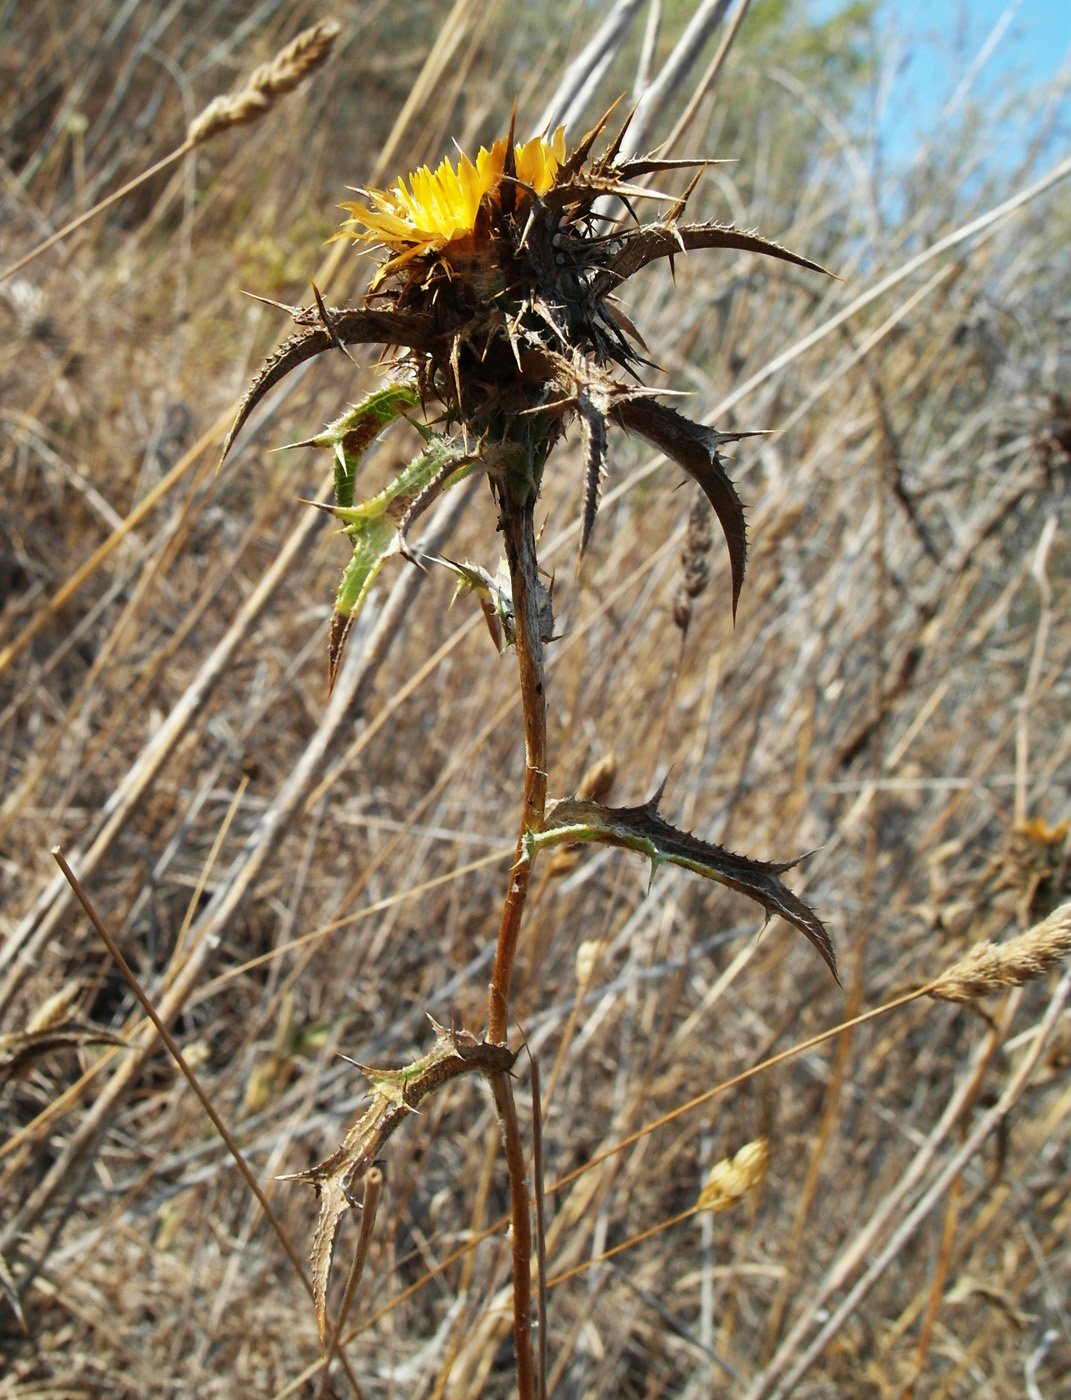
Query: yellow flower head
[[442, 205]]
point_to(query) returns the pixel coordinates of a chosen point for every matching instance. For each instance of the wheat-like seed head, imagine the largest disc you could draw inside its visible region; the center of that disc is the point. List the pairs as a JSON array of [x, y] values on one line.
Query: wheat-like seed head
[[990, 966], [695, 563], [731, 1179], [289, 68]]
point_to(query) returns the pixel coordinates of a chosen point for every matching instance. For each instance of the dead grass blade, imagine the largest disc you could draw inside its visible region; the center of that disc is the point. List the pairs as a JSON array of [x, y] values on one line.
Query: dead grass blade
[[191, 1079]]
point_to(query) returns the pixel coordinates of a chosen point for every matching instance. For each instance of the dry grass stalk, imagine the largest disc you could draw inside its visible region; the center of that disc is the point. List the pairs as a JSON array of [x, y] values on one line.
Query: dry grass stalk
[[991, 967], [287, 70], [136, 1251], [695, 563], [290, 66]]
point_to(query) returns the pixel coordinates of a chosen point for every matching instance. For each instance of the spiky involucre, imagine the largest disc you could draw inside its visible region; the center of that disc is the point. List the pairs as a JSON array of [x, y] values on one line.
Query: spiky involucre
[[498, 285]]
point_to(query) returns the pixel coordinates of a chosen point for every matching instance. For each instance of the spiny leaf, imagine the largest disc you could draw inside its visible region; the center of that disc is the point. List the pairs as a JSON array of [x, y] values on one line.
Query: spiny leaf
[[636, 166], [493, 593], [642, 829], [378, 527], [640, 246], [593, 418], [395, 1094], [351, 435], [348, 327], [694, 447], [576, 159]]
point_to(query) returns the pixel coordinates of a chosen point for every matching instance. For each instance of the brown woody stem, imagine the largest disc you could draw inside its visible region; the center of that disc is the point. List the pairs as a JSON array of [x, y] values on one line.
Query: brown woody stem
[[517, 524], [521, 1234]]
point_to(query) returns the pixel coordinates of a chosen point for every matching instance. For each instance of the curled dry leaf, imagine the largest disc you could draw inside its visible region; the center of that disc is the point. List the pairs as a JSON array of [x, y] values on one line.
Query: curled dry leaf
[[20, 1048], [395, 1094], [694, 447]]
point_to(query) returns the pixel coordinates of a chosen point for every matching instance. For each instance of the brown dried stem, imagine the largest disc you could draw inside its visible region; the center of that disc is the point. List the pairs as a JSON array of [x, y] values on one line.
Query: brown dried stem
[[520, 1234], [518, 530]]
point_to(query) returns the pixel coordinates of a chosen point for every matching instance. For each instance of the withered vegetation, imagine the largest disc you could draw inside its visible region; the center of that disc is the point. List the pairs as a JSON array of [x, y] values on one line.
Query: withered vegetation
[[296, 876]]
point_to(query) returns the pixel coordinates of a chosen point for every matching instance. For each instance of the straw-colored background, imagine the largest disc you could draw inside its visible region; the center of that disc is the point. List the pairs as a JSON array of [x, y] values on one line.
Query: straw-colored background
[[290, 880]]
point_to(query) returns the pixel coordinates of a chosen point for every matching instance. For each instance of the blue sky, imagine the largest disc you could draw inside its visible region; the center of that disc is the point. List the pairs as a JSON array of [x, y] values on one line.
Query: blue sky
[[934, 44]]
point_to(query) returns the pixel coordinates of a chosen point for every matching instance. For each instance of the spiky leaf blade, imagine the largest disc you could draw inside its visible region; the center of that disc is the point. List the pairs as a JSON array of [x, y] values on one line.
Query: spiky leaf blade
[[350, 436], [351, 326], [694, 447], [593, 420], [642, 829], [395, 1094], [377, 528], [640, 246]]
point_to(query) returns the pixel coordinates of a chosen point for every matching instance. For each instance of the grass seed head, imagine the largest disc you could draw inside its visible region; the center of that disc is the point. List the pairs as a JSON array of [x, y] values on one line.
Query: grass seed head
[[732, 1178], [287, 70], [992, 967]]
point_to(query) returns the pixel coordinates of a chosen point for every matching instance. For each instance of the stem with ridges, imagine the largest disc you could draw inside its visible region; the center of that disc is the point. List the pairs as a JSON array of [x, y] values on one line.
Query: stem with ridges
[[517, 525], [521, 1234]]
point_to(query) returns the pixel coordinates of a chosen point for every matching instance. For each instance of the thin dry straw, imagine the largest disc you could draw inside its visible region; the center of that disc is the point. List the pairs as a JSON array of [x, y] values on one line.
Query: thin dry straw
[[290, 67], [707, 81], [194, 1083], [991, 967]]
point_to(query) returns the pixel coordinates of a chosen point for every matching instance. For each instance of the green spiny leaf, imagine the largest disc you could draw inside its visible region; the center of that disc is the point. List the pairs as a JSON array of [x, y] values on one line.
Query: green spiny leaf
[[379, 526], [642, 829], [494, 595], [348, 437]]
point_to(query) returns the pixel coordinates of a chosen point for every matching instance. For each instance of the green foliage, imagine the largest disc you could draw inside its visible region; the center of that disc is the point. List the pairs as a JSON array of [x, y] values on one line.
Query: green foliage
[[377, 529], [350, 435]]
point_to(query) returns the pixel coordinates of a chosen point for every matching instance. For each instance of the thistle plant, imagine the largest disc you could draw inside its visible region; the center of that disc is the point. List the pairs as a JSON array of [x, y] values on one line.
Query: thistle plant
[[498, 291]]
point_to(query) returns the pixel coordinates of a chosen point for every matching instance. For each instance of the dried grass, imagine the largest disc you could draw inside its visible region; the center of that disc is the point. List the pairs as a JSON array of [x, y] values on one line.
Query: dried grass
[[891, 646], [267, 84], [991, 967]]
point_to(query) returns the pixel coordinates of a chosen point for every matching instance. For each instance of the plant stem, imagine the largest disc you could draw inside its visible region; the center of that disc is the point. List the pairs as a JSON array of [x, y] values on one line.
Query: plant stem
[[521, 1234], [517, 525]]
